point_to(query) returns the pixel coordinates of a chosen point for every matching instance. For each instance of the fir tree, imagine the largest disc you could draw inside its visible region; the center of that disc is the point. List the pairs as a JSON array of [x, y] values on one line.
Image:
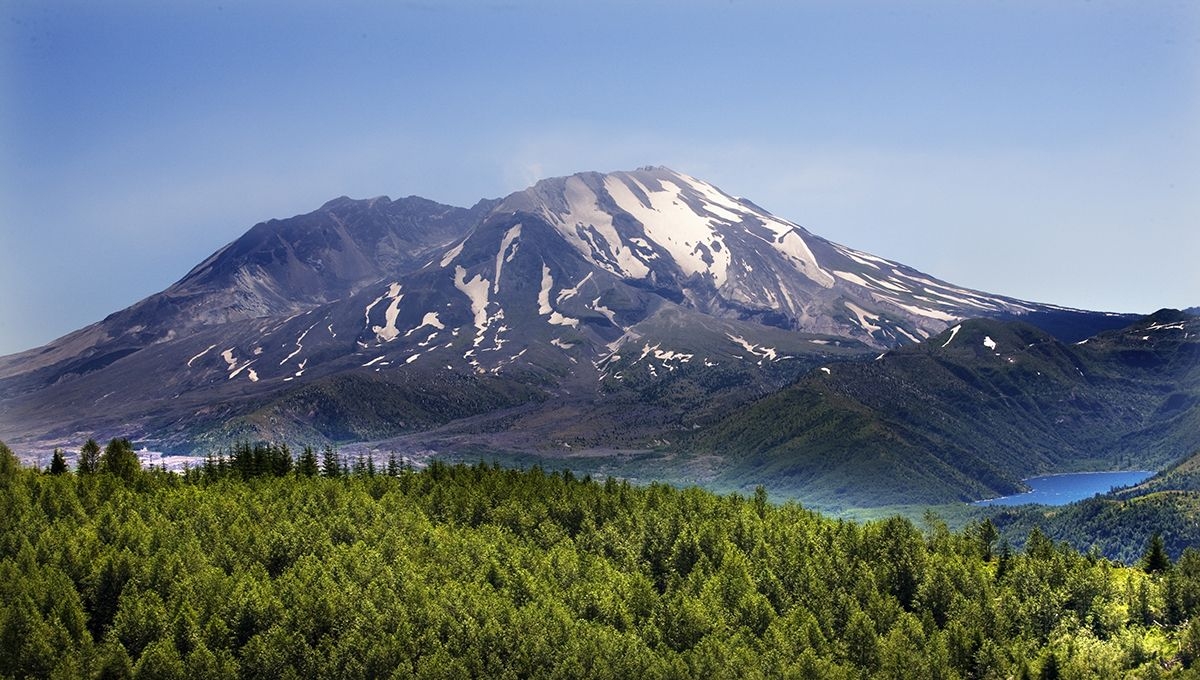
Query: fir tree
[[307, 464], [120, 460], [89, 457], [1156, 561], [330, 467], [58, 464]]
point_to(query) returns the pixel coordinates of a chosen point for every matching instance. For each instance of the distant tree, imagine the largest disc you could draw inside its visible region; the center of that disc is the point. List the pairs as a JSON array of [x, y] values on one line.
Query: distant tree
[[307, 463], [120, 460], [8, 461], [330, 467], [58, 464], [393, 467], [89, 457], [760, 500], [1155, 560], [987, 538]]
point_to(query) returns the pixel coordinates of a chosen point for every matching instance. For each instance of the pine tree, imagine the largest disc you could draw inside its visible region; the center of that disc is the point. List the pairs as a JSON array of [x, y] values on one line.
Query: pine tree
[[120, 460], [987, 538], [307, 464], [58, 464], [89, 457], [1156, 561], [330, 467]]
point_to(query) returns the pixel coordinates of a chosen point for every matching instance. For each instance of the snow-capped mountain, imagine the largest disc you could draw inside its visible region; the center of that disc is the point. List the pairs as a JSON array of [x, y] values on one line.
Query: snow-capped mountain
[[582, 286], [725, 256], [278, 267]]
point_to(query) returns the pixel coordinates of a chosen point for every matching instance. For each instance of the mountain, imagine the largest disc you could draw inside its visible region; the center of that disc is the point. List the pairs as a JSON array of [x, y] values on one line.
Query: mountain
[[626, 310], [278, 267], [970, 413]]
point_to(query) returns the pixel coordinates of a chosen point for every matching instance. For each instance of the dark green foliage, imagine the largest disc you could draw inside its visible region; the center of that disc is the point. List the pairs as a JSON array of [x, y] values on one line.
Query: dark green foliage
[[260, 460], [330, 465], [307, 465], [1155, 561], [238, 570], [58, 464], [119, 460], [1119, 524], [937, 424], [89, 457]]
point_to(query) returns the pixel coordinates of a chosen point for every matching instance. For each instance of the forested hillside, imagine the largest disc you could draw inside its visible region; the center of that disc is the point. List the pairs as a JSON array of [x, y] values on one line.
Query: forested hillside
[[269, 566], [1119, 524]]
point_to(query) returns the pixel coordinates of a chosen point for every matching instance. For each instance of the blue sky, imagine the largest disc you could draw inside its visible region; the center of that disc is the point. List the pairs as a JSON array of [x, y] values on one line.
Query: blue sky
[[1044, 150]]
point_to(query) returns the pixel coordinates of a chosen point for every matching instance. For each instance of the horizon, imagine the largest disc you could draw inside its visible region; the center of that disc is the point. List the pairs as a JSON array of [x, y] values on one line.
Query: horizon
[[1041, 153]]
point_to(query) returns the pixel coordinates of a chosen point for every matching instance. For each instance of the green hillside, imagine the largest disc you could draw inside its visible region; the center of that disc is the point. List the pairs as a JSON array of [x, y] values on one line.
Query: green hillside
[[246, 568], [1117, 525], [967, 415]]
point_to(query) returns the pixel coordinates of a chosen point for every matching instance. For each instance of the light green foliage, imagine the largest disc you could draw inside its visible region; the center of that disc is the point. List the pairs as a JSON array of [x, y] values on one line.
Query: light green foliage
[[256, 568]]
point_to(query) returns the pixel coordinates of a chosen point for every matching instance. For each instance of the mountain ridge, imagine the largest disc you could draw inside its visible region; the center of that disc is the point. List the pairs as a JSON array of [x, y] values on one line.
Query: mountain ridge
[[649, 299]]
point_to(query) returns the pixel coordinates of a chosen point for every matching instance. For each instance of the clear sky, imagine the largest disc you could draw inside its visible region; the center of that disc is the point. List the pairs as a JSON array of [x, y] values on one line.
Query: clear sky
[[1044, 150]]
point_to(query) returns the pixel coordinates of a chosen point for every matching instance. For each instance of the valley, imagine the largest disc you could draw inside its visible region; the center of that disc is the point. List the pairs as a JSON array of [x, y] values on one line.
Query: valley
[[644, 325]]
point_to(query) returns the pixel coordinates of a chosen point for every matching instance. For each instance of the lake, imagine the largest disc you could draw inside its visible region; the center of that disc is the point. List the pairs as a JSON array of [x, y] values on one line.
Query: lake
[[1067, 488]]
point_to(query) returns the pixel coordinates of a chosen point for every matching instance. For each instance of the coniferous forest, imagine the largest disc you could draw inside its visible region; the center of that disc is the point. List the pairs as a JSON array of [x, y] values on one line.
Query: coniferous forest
[[266, 564]]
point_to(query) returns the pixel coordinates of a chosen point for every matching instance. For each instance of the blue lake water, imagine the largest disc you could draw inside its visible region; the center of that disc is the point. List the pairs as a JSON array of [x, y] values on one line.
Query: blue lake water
[[1068, 488]]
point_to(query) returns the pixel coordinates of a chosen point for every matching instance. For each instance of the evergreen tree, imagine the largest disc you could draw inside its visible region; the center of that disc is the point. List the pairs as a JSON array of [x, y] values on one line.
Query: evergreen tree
[[987, 538], [307, 464], [9, 465], [1156, 561], [330, 467], [89, 457], [58, 464], [120, 460]]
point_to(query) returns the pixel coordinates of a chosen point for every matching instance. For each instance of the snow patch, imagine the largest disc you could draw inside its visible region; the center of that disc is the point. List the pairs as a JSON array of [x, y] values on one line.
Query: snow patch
[[864, 317], [367, 311], [476, 291], [852, 278], [299, 345], [544, 307], [505, 255], [560, 320], [583, 212], [430, 319], [452, 253], [388, 331], [210, 348], [691, 240], [608, 313], [989, 342], [568, 293], [544, 293], [953, 332], [921, 311], [767, 353]]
